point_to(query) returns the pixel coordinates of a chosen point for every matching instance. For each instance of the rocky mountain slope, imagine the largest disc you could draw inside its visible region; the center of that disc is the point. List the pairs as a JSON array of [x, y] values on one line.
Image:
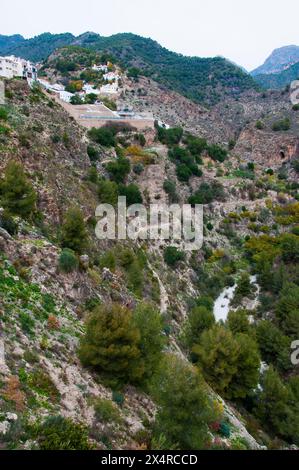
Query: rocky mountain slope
[[245, 174], [280, 60], [279, 80]]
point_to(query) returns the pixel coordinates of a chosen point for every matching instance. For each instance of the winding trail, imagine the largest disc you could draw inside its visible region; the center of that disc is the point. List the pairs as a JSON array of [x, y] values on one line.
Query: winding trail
[[164, 300]]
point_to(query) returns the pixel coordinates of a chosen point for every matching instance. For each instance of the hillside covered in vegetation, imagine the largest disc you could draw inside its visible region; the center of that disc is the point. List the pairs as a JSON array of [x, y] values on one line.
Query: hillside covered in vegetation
[[110, 344], [204, 80]]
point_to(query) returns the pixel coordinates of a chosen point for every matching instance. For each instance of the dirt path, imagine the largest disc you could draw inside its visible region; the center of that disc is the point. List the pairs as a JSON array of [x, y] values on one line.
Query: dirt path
[[164, 300]]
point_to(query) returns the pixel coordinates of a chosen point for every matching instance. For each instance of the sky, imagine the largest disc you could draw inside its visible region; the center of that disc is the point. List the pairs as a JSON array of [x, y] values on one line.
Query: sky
[[244, 31]]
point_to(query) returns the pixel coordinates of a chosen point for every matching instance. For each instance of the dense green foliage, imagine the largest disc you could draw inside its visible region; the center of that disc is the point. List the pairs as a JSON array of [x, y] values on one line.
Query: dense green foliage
[[68, 261], [186, 165], [110, 344], [203, 80], [59, 433], [170, 188], [282, 125], [170, 136], [103, 136], [150, 324], [230, 363], [172, 256], [16, 192], [277, 405], [184, 408], [199, 319], [131, 192], [73, 230], [35, 49], [119, 169], [207, 193], [124, 347]]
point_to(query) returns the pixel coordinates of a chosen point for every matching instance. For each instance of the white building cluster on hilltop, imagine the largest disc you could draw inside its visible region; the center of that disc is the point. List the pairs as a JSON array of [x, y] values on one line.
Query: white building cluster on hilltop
[[11, 66]]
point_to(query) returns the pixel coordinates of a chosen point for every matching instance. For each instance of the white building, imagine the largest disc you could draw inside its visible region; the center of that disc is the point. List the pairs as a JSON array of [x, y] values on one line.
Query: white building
[[100, 68], [11, 66], [65, 96], [111, 76], [110, 88], [90, 89]]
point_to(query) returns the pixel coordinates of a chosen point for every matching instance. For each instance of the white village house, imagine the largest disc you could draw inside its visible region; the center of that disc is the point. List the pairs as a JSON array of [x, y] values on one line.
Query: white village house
[[100, 68], [11, 66], [111, 76]]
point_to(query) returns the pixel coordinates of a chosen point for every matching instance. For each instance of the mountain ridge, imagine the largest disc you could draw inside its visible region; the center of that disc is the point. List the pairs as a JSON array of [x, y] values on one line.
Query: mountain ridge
[[279, 60], [204, 80]]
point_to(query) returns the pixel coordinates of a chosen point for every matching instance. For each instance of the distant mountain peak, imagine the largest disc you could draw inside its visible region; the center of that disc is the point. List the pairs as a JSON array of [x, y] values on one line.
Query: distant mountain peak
[[280, 59]]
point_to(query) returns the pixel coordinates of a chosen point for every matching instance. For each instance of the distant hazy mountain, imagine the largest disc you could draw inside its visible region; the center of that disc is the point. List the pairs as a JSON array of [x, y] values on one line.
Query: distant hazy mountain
[[280, 80], [280, 60], [204, 80]]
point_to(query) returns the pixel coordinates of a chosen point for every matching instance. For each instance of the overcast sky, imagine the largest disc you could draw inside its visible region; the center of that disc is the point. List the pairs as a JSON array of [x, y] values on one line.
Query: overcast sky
[[245, 31]]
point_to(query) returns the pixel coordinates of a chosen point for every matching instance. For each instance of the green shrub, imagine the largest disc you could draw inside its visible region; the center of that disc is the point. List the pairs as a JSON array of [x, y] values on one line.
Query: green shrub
[[170, 188], [170, 136], [119, 169], [217, 153], [131, 192], [16, 192], [68, 261], [172, 256], [207, 193], [92, 153], [138, 168], [108, 192], [259, 125], [282, 125], [73, 231], [3, 114], [141, 139], [103, 136], [185, 409], [7, 222], [199, 319], [111, 344], [118, 397], [295, 165], [40, 381], [59, 433], [92, 174], [149, 322], [224, 430], [27, 322], [106, 411]]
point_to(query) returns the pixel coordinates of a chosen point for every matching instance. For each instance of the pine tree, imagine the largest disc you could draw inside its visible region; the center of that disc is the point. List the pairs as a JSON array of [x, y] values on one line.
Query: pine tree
[[16, 192], [184, 406], [73, 233], [246, 378], [238, 321], [150, 324], [273, 403], [218, 354], [199, 319], [111, 344]]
